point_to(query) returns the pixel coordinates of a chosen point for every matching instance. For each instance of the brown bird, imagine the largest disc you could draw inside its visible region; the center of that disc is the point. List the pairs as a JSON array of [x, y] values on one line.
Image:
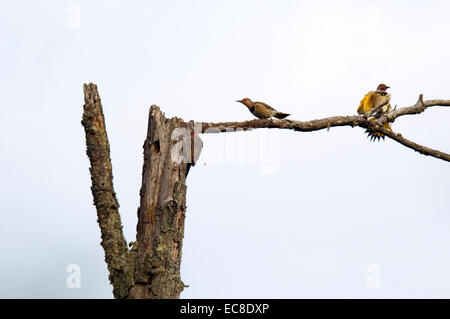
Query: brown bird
[[373, 105], [262, 110]]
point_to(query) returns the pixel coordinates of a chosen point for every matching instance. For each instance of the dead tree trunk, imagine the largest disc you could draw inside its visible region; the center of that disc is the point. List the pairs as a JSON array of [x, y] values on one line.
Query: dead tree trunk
[[117, 256], [151, 268], [161, 215]]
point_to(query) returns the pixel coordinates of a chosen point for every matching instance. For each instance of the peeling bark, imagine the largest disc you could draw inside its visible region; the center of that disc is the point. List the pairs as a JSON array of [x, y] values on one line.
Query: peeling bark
[[160, 229]]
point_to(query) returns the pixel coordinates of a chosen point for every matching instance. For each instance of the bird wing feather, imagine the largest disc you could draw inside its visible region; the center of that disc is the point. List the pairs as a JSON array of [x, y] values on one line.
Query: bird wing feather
[[265, 105], [367, 102]]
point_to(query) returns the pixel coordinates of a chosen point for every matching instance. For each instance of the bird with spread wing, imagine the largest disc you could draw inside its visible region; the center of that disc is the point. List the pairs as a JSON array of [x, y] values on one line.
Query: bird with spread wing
[[373, 105]]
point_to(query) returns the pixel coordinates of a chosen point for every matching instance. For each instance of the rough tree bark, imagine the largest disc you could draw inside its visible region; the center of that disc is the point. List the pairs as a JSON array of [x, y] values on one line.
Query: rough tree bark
[[160, 227], [151, 267], [113, 240]]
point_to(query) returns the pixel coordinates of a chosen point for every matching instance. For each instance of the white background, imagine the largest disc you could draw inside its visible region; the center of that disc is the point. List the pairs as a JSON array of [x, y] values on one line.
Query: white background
[[334, 205]]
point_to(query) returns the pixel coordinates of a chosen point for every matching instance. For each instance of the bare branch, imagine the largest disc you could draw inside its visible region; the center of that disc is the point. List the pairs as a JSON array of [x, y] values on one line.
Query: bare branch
[[417, 147], [326, 123], [305, 126], [417, 108]]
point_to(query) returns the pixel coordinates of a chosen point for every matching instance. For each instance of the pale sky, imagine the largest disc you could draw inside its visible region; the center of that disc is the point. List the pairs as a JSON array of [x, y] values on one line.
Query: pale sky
[[270, 213]]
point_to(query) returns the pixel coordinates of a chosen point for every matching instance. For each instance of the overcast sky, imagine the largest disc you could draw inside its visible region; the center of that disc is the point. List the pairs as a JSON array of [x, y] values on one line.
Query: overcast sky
[[270, 213]]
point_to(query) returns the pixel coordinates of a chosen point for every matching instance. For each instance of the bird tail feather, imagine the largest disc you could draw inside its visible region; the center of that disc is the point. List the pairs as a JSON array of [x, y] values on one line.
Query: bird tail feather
[[280, 115], [376, 136]]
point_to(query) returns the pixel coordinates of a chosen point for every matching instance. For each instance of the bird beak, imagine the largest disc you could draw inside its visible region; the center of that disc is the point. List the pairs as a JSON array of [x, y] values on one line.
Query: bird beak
[[387, 87], [238, 100]]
